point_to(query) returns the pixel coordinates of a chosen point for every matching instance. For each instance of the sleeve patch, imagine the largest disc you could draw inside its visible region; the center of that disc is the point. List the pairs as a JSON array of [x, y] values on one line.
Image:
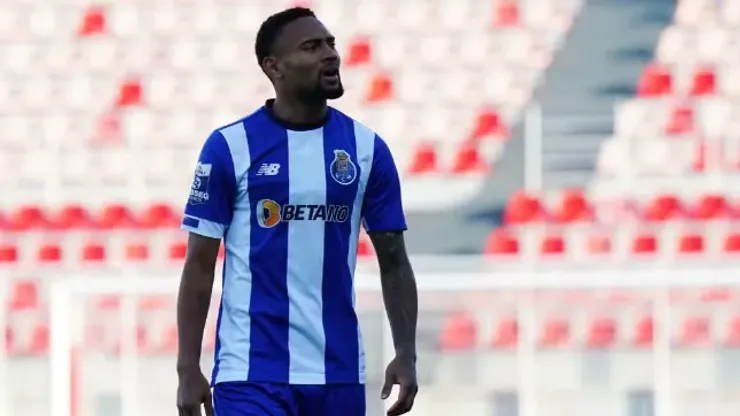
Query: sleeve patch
[[201, 184]]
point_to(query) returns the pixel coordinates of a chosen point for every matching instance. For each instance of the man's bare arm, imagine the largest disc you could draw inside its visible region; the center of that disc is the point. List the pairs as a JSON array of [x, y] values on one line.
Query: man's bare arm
[[399, 290], [194, 298]]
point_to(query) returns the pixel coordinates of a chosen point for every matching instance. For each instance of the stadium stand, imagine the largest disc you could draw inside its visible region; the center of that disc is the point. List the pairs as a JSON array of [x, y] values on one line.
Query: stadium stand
[[103, 104]]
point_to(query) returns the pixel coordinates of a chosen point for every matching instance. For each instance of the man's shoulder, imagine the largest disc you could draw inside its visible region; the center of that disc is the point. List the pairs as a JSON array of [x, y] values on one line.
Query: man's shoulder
[[256, 114], [358, 125]]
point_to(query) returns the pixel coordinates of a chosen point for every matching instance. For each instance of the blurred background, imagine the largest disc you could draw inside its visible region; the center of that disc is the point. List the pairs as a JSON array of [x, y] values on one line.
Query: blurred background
[[570, 172]]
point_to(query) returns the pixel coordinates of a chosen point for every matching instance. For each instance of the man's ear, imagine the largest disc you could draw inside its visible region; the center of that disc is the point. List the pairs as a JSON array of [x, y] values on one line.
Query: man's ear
[[271, 68]]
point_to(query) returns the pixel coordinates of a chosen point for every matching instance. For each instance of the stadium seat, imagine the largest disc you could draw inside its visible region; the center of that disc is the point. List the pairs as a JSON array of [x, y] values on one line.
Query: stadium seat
[[643, 334], [573, 207], [654, 81], [8, 253], [644, 244], [502, 242], [555, 333], [691, 244], [523, 208], [39, 340], [506, 334], [178, 251], [424, 159], [602, 333], [137, 252], [360, 52], [49, 253], [93, 22], [93, 252], [703, 83], [459, 332], [552, 245], [24, 295], [695, 332], [732, 334], [662, 208], [468, 159]]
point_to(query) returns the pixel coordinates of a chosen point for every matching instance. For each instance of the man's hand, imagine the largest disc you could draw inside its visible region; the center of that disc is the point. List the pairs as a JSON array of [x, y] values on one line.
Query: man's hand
[[192, 393], [401, 371]]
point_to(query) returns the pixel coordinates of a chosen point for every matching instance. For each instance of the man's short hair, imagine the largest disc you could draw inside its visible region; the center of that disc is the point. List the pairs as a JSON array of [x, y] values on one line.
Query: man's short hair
[[270, 29]]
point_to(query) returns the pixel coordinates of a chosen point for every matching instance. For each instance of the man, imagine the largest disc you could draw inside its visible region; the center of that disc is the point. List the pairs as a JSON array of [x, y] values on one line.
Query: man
[[287, 188]]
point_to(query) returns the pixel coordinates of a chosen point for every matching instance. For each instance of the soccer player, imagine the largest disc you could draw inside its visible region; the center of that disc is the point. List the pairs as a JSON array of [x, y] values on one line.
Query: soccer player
[[287, 189]]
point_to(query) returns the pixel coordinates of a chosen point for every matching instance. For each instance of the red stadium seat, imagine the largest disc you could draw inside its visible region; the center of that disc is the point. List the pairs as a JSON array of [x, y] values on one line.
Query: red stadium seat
[[50, 253], [506, 333], [506, 13], [704, 82], [654, 81], [644, 244], [424, 159], [28, 218], [691, 244], [555, 333], [523, 208], [644, 332], [364, 247], [168, 343], [24, 295], [732, 243], [500, 241], [178, 251], [158, 216], [39, 340], [153, 303], [552, 244], [602, 332], [107, 302], [732, 336], [71, 216], [93, 253], [130, 94], [8, 253], [137, 252], [116, 216], [360, 52], [459, 332], [380, 89], [711, 207], [93, 22], [695, 332], [599, 244], [469, 160], [680, 121], [573, 207], [662, 208], [488, 123]]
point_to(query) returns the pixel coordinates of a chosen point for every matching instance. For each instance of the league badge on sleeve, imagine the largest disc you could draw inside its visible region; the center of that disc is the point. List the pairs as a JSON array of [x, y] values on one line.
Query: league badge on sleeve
[[342, 169], [199, 188]]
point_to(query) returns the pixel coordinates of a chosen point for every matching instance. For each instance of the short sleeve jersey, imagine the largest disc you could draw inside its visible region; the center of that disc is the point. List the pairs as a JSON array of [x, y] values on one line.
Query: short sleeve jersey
[[289, 202]]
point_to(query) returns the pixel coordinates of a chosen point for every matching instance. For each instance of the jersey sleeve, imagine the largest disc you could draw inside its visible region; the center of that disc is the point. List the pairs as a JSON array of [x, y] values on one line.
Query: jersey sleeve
[[210, 204], [382, 208]]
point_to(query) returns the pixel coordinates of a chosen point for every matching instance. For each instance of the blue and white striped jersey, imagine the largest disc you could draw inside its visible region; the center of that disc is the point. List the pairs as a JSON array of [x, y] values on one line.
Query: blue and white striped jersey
[[288, 202]]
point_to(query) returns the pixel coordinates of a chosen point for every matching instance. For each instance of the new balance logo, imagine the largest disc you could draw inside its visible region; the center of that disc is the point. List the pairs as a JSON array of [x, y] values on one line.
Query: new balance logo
[[268, 169]]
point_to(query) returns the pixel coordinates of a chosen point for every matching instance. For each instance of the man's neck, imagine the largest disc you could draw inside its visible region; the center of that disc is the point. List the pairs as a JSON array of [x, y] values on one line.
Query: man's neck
[[299, 113]]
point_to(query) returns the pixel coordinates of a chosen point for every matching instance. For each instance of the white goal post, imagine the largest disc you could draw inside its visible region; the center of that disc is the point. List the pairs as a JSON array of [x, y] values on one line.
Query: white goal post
[[656, 281]]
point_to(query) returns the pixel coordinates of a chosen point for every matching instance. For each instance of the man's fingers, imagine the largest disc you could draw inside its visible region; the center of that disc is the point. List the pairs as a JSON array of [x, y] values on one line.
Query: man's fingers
[[387, 385], [208, 404], [405, 402]]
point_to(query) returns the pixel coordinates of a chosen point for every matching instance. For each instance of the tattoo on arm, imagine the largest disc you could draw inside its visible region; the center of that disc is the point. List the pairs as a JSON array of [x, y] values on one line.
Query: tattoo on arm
[[399, 289]]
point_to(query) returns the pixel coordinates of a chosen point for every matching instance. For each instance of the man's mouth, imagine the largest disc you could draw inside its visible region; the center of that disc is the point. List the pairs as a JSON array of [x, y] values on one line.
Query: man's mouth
[[331, 75]]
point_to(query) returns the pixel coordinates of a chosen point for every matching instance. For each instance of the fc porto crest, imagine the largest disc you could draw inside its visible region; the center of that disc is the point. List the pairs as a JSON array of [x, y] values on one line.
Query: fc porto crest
[[342, 169]]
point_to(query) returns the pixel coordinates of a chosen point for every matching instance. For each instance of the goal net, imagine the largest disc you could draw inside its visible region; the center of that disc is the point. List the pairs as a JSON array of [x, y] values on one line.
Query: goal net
[[654, 342]]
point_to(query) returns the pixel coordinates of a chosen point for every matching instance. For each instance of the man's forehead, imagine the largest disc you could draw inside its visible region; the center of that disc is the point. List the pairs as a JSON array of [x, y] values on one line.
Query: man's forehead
[[301, 30]]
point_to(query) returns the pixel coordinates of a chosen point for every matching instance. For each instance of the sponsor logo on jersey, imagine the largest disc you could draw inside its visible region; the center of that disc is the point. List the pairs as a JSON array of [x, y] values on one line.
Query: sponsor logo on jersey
[[270, 213], [342, 169], [201, 182], [268, 169]]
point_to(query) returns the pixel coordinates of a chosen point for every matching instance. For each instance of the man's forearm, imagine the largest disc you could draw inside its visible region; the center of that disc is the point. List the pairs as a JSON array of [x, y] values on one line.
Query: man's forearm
[[193, 302], [401, 304], [399, 289]]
